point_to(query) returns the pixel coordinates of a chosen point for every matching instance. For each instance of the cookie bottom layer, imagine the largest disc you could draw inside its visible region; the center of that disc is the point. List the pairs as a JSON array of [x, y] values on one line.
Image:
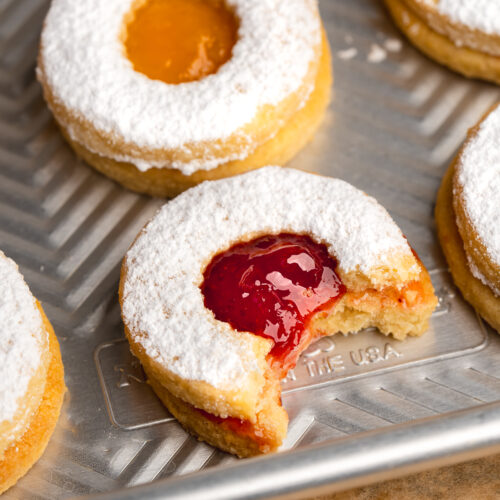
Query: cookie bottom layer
[[23, 453], [468, 62], [288, 141], [216, 433], [476, 293]]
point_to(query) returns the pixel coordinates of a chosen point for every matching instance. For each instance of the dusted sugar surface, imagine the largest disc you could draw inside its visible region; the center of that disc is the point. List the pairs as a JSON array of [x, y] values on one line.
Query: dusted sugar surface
[[479, 177], [87, 70], [162, 303], [21, 331], [482, 15]]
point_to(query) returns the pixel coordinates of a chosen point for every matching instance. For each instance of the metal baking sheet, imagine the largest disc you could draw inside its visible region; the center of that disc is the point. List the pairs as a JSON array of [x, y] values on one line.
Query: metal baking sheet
[[395, 122]]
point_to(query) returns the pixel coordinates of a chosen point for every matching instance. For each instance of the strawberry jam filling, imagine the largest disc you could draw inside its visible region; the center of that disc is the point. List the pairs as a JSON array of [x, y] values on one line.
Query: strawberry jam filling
[[271, 286], [241, 427]]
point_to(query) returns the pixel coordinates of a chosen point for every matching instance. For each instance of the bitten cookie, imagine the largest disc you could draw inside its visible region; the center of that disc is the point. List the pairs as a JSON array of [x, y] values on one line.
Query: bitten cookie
[[233, 279]]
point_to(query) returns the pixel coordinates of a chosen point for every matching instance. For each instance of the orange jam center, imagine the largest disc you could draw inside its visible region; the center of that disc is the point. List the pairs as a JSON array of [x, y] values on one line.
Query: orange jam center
[[180, 41]]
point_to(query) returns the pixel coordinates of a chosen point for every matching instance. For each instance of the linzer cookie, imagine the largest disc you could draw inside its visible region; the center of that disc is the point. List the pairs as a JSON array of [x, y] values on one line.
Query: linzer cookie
[[233, 279], [31, 377], [467, 214], [162, 94], [461, 34]]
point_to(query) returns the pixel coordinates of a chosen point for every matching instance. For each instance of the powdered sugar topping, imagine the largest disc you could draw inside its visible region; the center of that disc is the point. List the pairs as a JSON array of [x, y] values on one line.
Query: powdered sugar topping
[[482, 15], [479, 178], [86, 67], [161, 295], [20, 338]]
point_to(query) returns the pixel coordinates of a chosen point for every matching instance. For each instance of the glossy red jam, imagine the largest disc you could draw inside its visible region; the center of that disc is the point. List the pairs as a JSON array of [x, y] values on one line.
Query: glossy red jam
[[242, 427], [271, 286]]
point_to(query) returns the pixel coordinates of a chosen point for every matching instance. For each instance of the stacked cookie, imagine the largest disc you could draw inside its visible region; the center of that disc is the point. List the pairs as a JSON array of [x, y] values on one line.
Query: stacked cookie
[[463, 35], [467, 214]]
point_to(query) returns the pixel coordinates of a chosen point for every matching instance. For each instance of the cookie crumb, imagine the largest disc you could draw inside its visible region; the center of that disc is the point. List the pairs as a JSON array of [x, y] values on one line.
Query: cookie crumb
[[377, 54], [393, 45], [347, 54]]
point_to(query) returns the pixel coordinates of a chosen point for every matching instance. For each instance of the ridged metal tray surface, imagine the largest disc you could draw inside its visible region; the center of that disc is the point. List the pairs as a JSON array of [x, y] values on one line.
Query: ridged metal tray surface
[[392, 129]]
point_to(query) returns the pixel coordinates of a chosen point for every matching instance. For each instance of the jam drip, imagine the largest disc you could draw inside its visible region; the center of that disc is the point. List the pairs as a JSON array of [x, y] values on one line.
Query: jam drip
[[271, 286]]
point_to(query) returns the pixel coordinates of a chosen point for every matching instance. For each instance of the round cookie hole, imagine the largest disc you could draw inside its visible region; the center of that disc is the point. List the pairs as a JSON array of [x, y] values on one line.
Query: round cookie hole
[[179, 41], [271, 286]]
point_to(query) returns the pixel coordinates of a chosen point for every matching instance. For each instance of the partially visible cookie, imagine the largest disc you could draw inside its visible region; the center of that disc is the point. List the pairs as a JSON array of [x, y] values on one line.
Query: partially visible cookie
[[467, 215], [465, 36], [31, 377]]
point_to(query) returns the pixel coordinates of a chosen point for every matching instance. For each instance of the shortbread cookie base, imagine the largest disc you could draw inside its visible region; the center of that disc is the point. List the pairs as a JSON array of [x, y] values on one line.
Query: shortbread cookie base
[[238, 402], [468, 62], [288, 141], [479, 295], [357, 311], [216, 434], [22, 454]]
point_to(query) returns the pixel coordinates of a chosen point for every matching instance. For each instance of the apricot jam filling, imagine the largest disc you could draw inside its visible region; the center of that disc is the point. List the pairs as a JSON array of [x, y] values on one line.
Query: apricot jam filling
[[271, 286], [178, 41]]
